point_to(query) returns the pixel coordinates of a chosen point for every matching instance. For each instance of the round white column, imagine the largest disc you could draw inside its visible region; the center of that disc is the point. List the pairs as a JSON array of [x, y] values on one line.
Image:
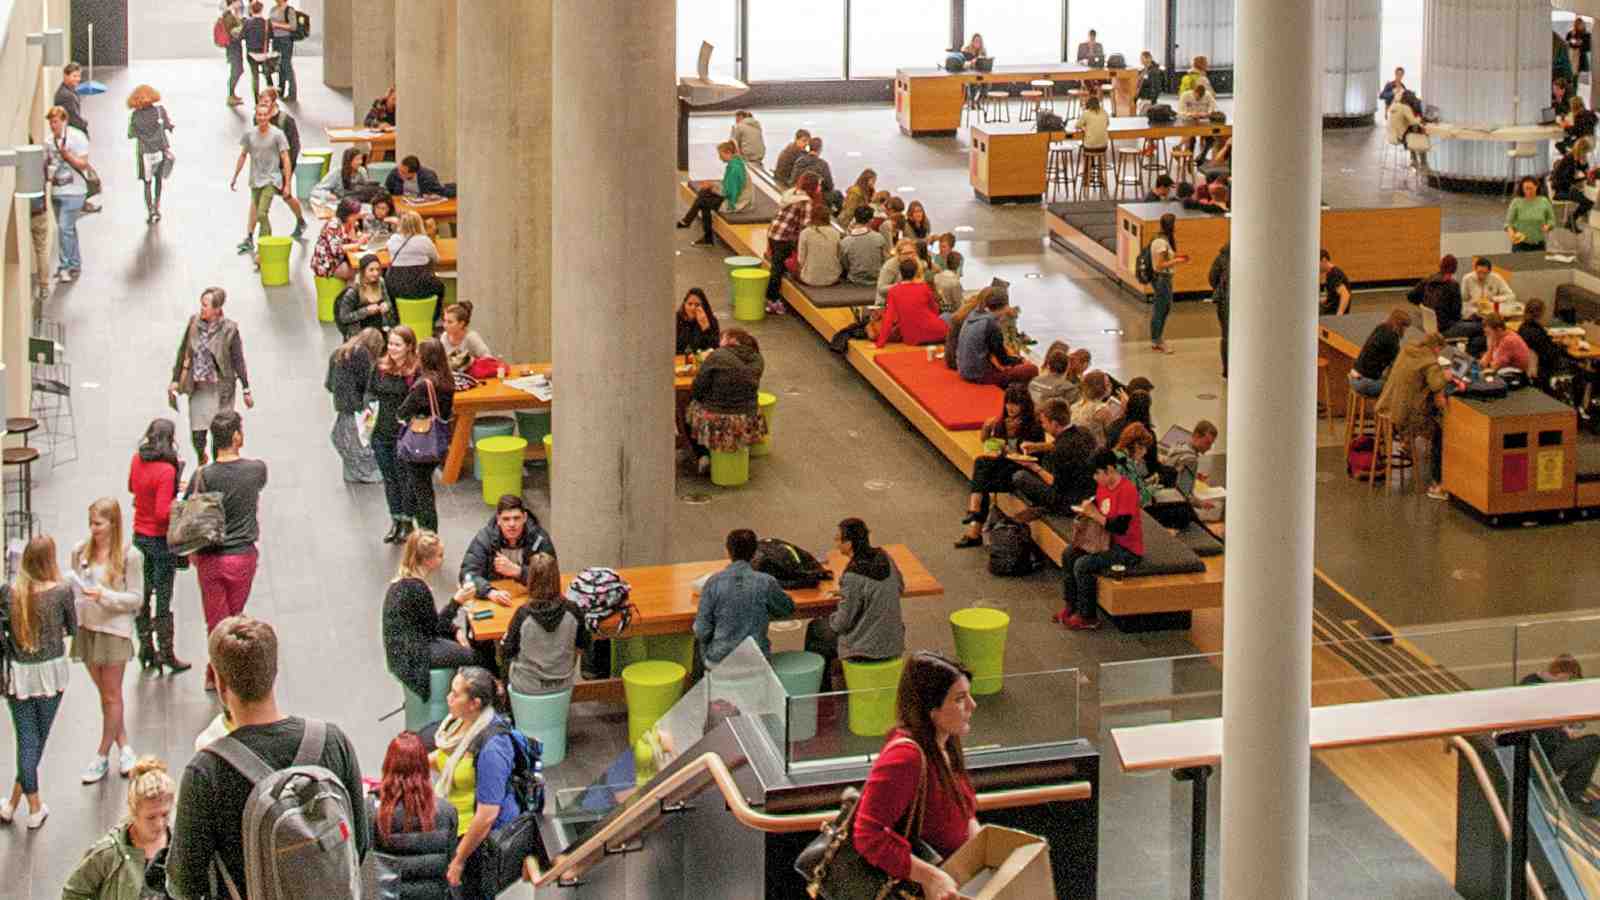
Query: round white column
[[1350, 84]]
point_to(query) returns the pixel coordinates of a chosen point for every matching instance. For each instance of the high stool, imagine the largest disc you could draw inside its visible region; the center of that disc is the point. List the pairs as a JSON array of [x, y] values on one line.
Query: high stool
[[996, 106], [51, 405], [23, 426], [1181, 165], [274, 250], [416, 313], [1092, 172], [1325, 408], [488, 427], [322, 153], [1129, 168], [750, 293], [1156, 159], [651, 687], [675, 648], [872, 686], [23, 458], [1519, 153], [500, 466], [1358, 412], [1047, 90], [543, 717], [800, 672], [1394, 164], [1383, 448], [980, 635], [730, 469], [328, 291], [768, 403], [534, 426], [420, 712], [1029, 110], [1074, 104], [1060, 168]]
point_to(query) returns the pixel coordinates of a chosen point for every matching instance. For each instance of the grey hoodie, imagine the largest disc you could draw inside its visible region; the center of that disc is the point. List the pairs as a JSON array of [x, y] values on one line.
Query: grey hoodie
[[868, 620]]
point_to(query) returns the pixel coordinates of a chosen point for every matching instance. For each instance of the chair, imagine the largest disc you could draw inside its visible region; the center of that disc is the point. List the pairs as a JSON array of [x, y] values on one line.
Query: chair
[[1358, 416], [328, 291], [996, 106], [1047, 91], [1520, 152], [543, 717], [768, 403], [1031, 100], [1073, 106], [417, 314], [735, 263], [274, 250], [420, 712], [500, 466], [1393, 458], [1129, 168], [980, 635], [1156, 158], [750, 292], [651, 688], [307, 172], [22, 458], [52, 407], [800, 672], [1092, 171], [1180, 164], [872, 687]]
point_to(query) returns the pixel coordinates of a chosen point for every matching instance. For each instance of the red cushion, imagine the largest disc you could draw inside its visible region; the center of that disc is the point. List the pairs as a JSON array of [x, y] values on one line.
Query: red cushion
[[957, 405]]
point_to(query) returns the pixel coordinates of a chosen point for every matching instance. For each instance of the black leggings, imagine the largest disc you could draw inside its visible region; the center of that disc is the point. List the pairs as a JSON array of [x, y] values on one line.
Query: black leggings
[[1577, 196], [992, 475], [199, 439], [416, 480], [705, 203]]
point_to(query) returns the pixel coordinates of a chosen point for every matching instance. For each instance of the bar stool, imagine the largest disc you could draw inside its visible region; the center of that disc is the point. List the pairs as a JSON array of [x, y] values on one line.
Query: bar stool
[[21, 425], [23, 458], [1074, 103], [1048, 89], [52, 407], [1029, 110], [1394, 164], [997, 106], [1180, 165], [1092, 172], [1129, 168], [1156, 159], [1325, 407], [1520, 152], [1394, 458], [1060, 166], [1358, 413]]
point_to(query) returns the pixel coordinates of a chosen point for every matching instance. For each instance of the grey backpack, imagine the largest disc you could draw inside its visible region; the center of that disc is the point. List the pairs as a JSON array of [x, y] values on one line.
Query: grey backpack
[[297, 828]]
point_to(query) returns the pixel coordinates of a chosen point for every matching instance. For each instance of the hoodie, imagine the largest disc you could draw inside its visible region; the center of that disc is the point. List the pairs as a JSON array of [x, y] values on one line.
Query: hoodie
[[538, 646], [868, 620], [1407, 393], [729, 380]]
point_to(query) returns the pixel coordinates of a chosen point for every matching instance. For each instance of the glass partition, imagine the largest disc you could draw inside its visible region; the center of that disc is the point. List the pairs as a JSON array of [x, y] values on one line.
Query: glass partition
[[886, 35], [790, 42], [714, 21], [1017, 31]]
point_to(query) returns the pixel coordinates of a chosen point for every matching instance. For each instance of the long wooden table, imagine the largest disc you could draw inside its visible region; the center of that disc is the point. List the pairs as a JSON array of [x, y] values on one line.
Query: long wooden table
[[1008, 158], [381, 142], [445, 208], [445, 246], [928, 100]]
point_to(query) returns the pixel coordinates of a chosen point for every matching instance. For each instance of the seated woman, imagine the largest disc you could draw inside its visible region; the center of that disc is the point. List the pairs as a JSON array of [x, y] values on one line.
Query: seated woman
[[381, 221], [412, 257], [1055, 381], [349, 178], [416, 637], [820, 263], [1507, 349], [343, 231], [1095, 124], [911, 312], [542, 643], [461, 346], [414, 829], [1135, 408], [698, 330], [1094, 409], [1018, 428], [1134, 447], [867, 624], [1378, 353], [382, 114], [893, 227], [1546, 352], [917, 227], [724, 412], [1412, 398], [859, 195], [366, 303]]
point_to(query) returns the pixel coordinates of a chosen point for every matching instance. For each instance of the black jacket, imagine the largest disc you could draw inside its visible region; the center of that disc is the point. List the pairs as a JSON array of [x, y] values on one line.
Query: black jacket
[[390, 391], [1565, 175], [1539, 341], [692, 339], [729, 380], [291, 131], [347, 381], [478, 563], [410, 624], [350, 312], [427, 182], [1441, 296], [68, 99], [419, 857], [1152, 81]]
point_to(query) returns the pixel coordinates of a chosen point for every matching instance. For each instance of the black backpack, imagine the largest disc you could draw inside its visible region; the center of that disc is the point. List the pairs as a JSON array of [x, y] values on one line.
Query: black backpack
[[1049, 121], [954, 62], [1144, 268], [793, 566], [1011, 550], [1116, 61], [1160, 113]]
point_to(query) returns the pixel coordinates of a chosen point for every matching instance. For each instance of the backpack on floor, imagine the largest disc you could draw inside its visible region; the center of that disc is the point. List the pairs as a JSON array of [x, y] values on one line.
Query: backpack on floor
[[297, 827], [1144, 268], [1359, 457], [1011, 550], [793, 566]]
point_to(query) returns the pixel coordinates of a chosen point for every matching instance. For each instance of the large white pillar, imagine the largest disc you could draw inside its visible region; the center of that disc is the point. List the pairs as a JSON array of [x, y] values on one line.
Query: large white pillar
[[425, 78], [614, 111], [337, 50], [372, 52], [505, 195], [1350, 81], [1266, 678]]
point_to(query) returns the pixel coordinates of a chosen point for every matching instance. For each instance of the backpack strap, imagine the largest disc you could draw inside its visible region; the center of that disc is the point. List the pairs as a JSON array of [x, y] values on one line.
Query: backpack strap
[[244, 760], [312, 743]]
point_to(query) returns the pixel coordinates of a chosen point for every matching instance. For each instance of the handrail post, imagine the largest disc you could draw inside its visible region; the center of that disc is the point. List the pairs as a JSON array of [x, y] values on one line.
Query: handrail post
[[1521, 789], [1200, 777]]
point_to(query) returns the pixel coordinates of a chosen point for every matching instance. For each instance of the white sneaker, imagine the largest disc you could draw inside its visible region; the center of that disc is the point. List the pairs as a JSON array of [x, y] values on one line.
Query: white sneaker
[[7, 812], [64, 276], [37, 819], [96, 769], [125, 765]]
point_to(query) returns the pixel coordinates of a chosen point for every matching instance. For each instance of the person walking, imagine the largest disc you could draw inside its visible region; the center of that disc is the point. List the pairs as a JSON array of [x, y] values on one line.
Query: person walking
[[389, 385], [256, 37], [148, 125], [39, 618], [67, 161], [210, 359], [267, 151], [232, 21], [107, 581], [349, 370], [129, 862], [284, 23], [286, 123], [153, 478], [431, 395]]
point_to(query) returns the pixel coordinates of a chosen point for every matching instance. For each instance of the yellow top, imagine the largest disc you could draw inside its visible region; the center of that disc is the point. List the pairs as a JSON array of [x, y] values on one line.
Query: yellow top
[[463, 792]]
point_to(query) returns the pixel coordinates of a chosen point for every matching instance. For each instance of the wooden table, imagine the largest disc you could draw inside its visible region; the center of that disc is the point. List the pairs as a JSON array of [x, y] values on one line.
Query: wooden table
[[381, 142], [1007, 161], [1517, 454], [494, 396], [445, 246], [1340, 339], [442, 209], [928, 100]]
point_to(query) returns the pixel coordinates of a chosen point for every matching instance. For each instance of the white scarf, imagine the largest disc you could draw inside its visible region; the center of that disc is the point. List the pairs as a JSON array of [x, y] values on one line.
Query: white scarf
[[455, 739]]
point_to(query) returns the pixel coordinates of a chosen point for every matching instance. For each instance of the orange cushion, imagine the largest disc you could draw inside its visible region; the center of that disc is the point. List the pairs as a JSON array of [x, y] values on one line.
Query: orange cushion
[[956, 404]]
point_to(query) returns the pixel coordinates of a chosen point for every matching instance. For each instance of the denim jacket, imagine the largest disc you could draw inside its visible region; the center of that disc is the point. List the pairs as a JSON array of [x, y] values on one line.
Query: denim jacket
[[737, 603]]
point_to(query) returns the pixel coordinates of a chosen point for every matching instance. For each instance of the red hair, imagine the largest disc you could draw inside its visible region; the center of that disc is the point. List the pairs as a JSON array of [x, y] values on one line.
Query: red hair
[[405, 784]]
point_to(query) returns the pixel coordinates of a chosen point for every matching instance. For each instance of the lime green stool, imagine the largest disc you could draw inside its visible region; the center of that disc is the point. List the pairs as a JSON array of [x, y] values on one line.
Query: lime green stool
[[768, 402], [873, 687], [488, 427], [749, 294], [534, 425], [800, 672], [378, 172], [543, 717], [448, 279], [420, 712], [500, 466], [417, 314], [550, 454], [328, 291], [730, 469], [735, 263], [651, 687], [324, 154], [675, 648], [274, 251], [981, 645]]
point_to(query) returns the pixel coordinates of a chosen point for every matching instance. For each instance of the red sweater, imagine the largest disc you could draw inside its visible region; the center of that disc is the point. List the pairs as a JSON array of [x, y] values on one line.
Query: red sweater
[[912, 311], [1123, 500], [153, 484], [887, 796]]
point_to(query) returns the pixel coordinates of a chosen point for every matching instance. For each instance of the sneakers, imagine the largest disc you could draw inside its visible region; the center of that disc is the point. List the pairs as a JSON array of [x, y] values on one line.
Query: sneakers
[[7, 812], [1437, 492], [96, 769], [246, 246], [299, 229], [65, 276], [1078, 623], [37, 819], [125, 763]]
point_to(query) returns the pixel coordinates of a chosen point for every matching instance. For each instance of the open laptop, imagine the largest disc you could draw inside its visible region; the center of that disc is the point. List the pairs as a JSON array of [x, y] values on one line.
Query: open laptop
[[1182, 491], [1547, 116], [1176, 436]]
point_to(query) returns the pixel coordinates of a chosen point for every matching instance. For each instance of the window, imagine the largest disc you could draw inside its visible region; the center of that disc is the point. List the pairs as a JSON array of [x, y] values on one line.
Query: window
[[886, 35], [790, 41], [1400, 42], [1018, 32], [1119, 28], [715, 21]]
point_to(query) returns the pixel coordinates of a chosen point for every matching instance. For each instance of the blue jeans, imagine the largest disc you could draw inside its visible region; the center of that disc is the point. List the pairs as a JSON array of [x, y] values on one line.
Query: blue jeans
[[1163, 307], [31, 718], [68, 210], [1081, 569], [288, 86], [1366, 387]]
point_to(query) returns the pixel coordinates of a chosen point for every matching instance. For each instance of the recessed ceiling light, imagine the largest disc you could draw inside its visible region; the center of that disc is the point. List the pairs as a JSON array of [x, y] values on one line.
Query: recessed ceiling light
[[905, 189], [963, 229], [1111, 331], [853, 153], [809, 122], [1033, 275]]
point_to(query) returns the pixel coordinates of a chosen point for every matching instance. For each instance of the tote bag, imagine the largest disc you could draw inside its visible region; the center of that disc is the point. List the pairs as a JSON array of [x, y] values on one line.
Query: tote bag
[[426, 438]]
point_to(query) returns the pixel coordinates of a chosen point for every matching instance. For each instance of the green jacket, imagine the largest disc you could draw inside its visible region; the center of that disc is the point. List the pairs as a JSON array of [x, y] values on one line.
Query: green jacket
[[111, 869], [734, 181]]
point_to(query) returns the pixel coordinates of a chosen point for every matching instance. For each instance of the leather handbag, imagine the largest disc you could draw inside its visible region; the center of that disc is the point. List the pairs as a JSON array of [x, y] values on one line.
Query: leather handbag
[[197, 521], [835, 870], [426, 439]]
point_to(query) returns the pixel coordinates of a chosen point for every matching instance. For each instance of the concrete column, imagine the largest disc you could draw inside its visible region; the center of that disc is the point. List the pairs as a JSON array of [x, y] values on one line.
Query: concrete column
[[372, 51], [1266, 678], [504, 224], [14, 289], [425, 75], [615, 111], [1350, 83], [337, 48]]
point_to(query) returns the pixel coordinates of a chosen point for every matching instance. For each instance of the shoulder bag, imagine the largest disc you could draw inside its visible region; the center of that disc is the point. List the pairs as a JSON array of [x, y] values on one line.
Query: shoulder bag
[[426, 438], [197, 521], [91, 178], [835, 870]]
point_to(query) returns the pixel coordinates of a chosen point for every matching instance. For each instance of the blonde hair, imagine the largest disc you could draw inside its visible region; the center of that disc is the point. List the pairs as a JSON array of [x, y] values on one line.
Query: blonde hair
[[38, 566], [144, 95], [149, 780], [411, 223], [422, 546], [116, 554], [55, 113]]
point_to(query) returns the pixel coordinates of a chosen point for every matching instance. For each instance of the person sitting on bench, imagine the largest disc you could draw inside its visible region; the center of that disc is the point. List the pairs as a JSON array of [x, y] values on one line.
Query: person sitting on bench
[[981, 354], [1018, 429], [862, 249], [1116, 508], [1573, 756], [911, 315], [947, 283], [1187, 454], [889, 272], [412, 179], [1062, 474], [1095, 410], [733, 194]]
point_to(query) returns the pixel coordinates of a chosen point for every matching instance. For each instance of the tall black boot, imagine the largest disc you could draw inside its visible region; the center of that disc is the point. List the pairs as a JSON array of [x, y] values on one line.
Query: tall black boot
[[147, 638], [169, 655]]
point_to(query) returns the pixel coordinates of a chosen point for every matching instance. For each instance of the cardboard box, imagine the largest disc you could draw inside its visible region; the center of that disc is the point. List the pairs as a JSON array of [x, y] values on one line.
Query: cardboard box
[[1002, 864]]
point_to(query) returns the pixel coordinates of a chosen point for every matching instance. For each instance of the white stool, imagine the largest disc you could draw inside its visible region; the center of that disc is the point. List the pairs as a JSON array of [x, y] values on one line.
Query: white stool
[[1395, 164]]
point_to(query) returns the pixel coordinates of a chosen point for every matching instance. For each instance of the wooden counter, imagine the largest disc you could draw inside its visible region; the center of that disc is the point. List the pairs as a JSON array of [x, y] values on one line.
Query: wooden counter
[[444, 208], [927, 101], [381, 142], [1339, 341], [1008, 159], [1517, 454]]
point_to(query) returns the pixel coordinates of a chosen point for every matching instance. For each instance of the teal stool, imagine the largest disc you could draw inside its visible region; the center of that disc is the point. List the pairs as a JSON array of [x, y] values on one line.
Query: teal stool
[[873, 687], [652, 687], [378, 172], [328, 291], [768, 403], [749, 294], [676, 648], [307, 172], [274, 250], [734, 263], [800, 673], [534, 426], [325, 154], [730, 469], [488, 427], [500, 467], [420, 712], [543, 717], [417, 314], [980, 635]]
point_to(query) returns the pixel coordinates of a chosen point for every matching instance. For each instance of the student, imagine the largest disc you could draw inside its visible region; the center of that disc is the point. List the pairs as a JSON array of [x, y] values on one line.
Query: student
[[1091, 52], [862, 250], [1152, 83], [129, 861], [348, 178], [349, 370], [733, 194], [1017, 427], [284, 24], [946, 246], [148, 124], [1572, 755], [1546, 352], [381, 117], [381, 222], [416, 636], [211, 800], [1197, 103], [738, 602], [1481, 285], [818, 250], [1412, 398], [233, 23], [1164, 260], [859, 195], [975, 48], [894, 219], [812, 161], [503, 547], [366, 302], [546, 634], [389, 385], [911, 313], [723, 413], [697, 328], [412, 257], [340, 233], [1187, 454], [947, 283], [783, 170], [40, 616], [255, 35], [1095, 409], [1162, 192], [1199, 69], [748, 136], [1095, 125], [1567, 180], [1135, 449], [66, 159], [227, 570], [1335, 287], [783, 234], [1506, 350], [432, 394], [412, 179], [1054, 381], [461, 345], [153, 477], [1578, 42], [867, 624], [267, 151], [410, 824], [1378, 353], [1403, 121], [982, 356], [1441, 293], [1219, 277], [107, 578], [67, 98], [1116, 508], [1061, 475], [209, 367], [916, 226], [1529, 218]]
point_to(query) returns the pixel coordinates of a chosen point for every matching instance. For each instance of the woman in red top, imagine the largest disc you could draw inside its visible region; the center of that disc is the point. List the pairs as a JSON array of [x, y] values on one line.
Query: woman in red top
[[1115, 506], [153, 479], [911, 312], [934, 710]]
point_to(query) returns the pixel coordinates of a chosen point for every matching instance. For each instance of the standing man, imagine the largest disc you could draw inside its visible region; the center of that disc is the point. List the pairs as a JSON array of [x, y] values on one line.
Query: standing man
[[67, 96], [748, 135], [66, 159], [270, 174], [783, 171], [285, 123], [232, 20], [1152, 82], [1091, 52], [284, 23], [1335, 287], [738, 602], [227, 570]]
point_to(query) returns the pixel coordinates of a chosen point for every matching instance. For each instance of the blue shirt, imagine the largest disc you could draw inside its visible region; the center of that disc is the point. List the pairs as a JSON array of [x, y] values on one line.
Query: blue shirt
[[972, 349], [494, 764], [737, 603]]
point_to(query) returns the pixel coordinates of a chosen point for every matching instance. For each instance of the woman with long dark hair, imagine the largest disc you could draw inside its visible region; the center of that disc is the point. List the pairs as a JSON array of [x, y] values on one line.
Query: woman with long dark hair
[[868, 625], [153, 477], [698, 329], [917, 226], [1164, 259], [934, 712], [343, 180], [328, 258], [349, 371], [542, 642], [432, 394], [409, 822], [389, 385], [1016, 424]]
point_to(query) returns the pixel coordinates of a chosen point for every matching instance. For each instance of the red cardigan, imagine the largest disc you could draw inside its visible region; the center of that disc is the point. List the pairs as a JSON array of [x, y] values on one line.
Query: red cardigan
[[912, 309], [887, 796], [153, 484]]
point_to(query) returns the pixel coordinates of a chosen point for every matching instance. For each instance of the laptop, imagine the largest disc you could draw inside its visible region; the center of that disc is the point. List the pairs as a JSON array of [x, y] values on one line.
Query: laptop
[[1547, 116], [1176, 436], [1182, 491]]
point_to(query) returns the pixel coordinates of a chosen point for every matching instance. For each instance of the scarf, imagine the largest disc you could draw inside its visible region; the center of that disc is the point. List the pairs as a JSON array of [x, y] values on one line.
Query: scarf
[[205, 364], [455, 736]]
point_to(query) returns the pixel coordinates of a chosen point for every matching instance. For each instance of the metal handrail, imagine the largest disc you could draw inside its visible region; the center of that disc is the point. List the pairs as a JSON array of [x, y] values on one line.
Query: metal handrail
[[1470, 754]]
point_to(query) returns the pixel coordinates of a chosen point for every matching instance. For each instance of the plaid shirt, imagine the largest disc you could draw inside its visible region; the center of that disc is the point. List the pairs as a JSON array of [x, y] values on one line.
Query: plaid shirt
[[790, 221]]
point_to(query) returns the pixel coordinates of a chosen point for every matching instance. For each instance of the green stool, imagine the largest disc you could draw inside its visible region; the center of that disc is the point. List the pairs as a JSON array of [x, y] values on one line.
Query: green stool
[[420, 712], [534, 425], [981, 645], [675, 648], [800, 672], [328, 291], [417, 314], [734, 263], [767, 402], [749, 294], [274, 250], [652, 687], [325, 154], [873, 687], [543, 717], [307, 172], [500, 466], [730, 469], [488, 427], [550, 454], [378, 172]]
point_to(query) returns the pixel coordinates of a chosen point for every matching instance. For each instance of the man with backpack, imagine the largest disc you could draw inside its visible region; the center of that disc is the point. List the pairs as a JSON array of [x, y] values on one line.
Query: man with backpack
[[289, 781]]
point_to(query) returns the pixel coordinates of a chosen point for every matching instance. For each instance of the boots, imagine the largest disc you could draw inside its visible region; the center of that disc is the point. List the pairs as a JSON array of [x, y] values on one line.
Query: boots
[[147, 645], [169, 657]]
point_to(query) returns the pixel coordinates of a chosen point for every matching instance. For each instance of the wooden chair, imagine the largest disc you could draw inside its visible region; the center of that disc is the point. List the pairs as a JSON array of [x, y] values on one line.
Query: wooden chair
[[1092, 171]]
